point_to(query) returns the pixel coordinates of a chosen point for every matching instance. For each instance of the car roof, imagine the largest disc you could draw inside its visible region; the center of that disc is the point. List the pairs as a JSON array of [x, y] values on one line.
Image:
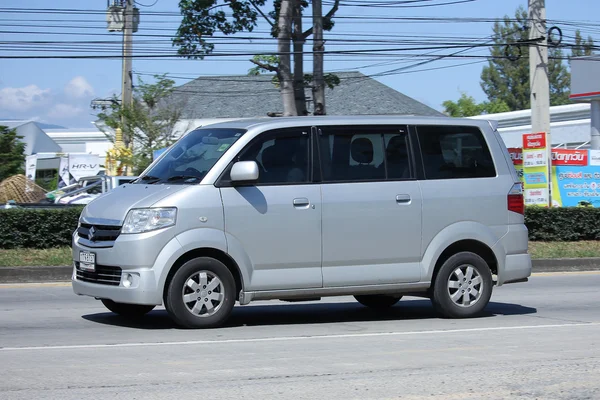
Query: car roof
[[287, 122]]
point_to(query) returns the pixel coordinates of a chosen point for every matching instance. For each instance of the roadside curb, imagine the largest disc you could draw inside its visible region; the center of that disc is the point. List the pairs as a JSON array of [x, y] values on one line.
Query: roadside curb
[[63, 273], [35, 274], [566, 264]]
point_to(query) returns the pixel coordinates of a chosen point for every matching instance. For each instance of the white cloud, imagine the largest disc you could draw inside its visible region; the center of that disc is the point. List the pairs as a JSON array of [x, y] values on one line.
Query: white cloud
[[78, 88], [23, 99], [64, 111]]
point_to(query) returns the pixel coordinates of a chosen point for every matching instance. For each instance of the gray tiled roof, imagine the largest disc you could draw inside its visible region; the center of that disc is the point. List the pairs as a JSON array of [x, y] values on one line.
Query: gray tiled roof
[[241, 96]]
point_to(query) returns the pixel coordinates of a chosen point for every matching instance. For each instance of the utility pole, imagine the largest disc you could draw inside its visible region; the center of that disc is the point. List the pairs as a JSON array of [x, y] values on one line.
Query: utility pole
[[538, 79], [127, 84], [318, 48]]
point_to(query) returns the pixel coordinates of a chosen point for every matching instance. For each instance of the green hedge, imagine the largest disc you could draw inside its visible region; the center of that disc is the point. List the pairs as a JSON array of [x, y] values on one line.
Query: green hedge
[[37, 228], [563, 224], [45, 228]]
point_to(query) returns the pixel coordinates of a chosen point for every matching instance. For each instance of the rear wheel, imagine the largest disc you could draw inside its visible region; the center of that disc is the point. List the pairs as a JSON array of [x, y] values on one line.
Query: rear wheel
[[127, 310], [377, 300], [201, 293], [463, 286]]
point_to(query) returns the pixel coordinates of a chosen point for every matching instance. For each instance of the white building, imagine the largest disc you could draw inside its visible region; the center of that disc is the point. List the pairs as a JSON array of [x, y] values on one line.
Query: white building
[[33, 135], [90, 141], [569, 126]]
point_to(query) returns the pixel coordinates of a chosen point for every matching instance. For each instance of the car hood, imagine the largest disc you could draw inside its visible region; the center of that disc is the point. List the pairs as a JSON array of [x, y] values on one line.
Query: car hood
[[111, 208]]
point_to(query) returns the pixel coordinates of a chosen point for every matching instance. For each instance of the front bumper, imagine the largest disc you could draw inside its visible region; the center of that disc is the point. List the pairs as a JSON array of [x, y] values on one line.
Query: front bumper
[[142, 290], [137, 256]]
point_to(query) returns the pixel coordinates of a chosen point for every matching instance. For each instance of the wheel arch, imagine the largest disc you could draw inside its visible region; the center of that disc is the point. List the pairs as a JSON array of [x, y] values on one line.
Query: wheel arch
[[463, 236], [467, 245], [217, 254]]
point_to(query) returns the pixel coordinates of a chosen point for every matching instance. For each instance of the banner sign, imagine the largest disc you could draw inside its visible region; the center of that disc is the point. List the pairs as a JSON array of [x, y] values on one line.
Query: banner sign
[[535, 169], [81, 165], [63, 170], [575, 178], [30, 167], [594, 157]]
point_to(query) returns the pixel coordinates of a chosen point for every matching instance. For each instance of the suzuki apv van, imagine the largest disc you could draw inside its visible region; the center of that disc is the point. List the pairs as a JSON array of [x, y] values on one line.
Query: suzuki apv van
[[303, 208]]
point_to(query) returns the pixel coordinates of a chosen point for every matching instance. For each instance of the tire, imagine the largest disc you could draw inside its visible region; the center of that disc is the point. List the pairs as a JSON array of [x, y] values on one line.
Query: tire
[[127, 310], [454, 295], [209, 287], [377, 300]]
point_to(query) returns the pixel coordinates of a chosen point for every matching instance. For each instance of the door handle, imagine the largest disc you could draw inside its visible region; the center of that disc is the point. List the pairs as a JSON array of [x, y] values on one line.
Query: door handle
[[301, 202], [403, 198]]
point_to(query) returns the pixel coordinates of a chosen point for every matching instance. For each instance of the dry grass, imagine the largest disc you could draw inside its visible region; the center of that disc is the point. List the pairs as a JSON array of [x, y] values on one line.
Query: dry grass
[[564, 249], [35, 257]]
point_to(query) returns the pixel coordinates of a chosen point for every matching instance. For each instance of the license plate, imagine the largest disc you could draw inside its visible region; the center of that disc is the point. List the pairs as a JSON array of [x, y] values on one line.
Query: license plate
[[87, 261]]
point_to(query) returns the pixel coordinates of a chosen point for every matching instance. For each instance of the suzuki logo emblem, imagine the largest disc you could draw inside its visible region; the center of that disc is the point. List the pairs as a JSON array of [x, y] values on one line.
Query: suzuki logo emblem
[[91, 234]]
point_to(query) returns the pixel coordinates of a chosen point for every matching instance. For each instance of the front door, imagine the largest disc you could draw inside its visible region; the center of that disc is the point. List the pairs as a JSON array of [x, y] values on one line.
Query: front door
[[371, 206], [277, 220]]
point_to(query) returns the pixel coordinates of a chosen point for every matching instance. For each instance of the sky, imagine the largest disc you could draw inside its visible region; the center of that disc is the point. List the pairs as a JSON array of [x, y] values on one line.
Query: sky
[[59, 91]]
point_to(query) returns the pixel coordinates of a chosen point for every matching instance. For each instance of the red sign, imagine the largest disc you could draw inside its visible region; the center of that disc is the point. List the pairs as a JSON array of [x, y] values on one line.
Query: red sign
[[569, 157], [559, 156], [516, 155], [534, 140]]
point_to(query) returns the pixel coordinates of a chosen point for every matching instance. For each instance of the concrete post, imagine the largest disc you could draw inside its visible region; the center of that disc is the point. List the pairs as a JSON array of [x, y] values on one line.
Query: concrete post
[[595, 133]]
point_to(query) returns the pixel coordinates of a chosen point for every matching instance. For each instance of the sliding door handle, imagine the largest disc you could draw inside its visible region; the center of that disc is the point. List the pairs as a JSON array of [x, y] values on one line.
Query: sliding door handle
[[301, 202], [403, 198]]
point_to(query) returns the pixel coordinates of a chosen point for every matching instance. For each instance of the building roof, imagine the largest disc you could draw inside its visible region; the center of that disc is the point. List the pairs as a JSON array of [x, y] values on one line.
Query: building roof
[[12, 124], [241, 96], [35, 139]]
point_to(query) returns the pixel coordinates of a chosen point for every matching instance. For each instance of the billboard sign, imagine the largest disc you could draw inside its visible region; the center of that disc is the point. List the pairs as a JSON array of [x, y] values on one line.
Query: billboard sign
[[535, 169], [575, 178]]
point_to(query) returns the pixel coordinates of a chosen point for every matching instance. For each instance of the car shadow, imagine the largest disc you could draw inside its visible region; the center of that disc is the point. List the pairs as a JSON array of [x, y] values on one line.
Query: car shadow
[[307, 313]]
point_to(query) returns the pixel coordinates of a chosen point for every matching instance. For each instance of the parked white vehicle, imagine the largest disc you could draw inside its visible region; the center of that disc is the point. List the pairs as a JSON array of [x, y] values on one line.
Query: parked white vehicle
[[88, 188]]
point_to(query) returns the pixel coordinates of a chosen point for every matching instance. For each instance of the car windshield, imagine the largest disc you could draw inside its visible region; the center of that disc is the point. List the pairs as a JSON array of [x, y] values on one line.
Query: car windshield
[[191, 157]]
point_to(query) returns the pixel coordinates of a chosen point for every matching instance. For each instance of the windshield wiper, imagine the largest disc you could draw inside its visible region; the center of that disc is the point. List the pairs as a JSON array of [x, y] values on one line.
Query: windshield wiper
[[145, 178], [183, 178]]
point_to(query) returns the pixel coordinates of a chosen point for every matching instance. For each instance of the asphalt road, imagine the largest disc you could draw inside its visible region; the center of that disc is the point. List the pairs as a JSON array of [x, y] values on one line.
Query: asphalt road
[[538, 340]]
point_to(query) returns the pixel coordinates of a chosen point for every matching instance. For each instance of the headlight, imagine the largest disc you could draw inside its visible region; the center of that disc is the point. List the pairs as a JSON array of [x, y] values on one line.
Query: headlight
[[148, 219]]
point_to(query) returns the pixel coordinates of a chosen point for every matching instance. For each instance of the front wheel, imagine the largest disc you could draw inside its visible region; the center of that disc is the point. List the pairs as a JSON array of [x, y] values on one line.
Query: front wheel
[[377, 300], [463, 286], [201, 294], [127, 310]]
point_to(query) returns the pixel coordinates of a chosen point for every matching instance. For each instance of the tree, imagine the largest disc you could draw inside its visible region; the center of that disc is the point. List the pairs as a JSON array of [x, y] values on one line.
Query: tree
[[148, 124], [582, 47], [507, 80], [12, 153], [284, 70], [204, 18], [466, 106]]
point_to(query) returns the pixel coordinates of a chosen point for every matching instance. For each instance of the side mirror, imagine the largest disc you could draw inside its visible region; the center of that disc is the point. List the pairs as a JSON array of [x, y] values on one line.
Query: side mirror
[[244, 171]]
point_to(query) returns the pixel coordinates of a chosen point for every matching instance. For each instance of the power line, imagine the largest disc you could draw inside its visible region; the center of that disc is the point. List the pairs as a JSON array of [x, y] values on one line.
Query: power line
[[151, 5]]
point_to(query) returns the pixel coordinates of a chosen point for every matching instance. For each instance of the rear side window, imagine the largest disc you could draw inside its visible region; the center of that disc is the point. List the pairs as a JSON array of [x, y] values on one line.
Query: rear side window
[[364, 153], [454, 152]]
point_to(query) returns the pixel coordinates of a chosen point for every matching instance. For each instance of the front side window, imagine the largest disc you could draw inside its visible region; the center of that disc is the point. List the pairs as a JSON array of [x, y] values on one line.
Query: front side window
[[454, 152], [282, 156], [192, 156]]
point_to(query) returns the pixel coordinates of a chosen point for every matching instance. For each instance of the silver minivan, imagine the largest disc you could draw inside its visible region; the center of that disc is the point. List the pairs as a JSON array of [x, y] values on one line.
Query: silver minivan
[[305, 207]]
